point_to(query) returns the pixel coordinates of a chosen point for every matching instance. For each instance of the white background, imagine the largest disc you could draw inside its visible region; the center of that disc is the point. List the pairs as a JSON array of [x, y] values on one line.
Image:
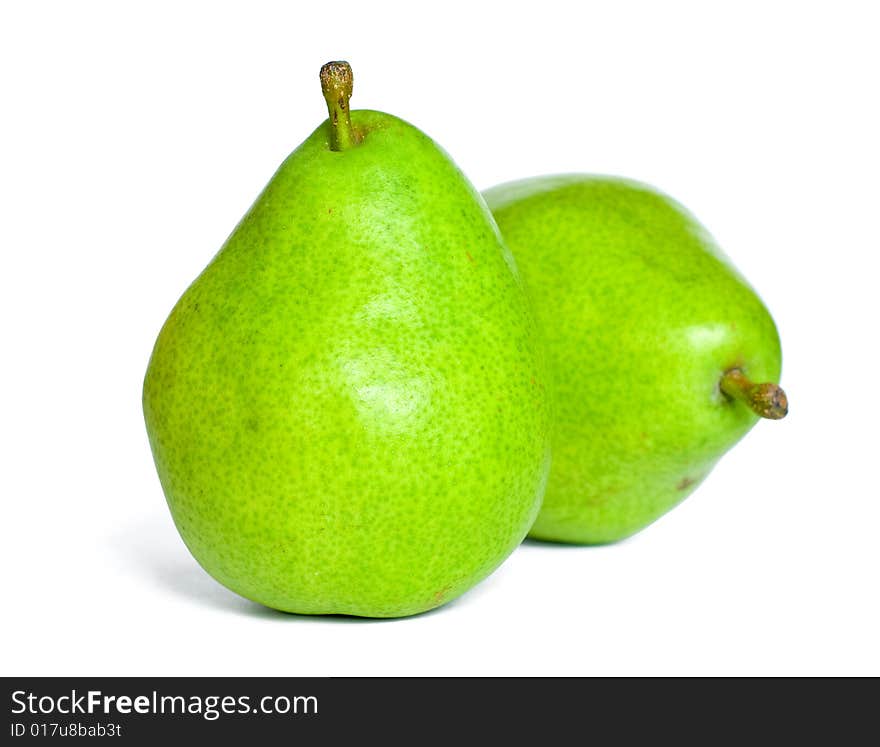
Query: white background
[[134, 136]]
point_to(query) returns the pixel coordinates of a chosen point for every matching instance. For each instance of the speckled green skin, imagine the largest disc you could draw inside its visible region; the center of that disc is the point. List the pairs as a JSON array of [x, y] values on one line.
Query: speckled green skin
[[346, 408], [641, 314]]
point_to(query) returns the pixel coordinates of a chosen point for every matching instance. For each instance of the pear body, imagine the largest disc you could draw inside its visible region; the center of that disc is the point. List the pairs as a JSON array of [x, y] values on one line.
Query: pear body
[[346, 408], [641, 314]]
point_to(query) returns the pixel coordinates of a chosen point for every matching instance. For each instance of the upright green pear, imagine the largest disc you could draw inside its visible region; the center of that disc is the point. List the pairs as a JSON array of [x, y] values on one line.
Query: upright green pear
[[346, 408], [653, 340]]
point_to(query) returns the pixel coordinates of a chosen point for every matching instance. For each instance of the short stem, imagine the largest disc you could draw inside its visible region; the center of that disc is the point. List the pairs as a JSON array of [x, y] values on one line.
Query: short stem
[[337, 83], [767, 399]]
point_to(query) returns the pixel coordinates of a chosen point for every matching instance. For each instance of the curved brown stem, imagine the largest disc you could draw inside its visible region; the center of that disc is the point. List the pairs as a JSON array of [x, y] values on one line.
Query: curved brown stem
[[766, 399]]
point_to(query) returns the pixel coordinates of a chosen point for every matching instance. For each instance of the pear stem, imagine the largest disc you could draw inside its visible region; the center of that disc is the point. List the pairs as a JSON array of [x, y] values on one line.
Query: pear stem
[[337, 83], [767, 399]]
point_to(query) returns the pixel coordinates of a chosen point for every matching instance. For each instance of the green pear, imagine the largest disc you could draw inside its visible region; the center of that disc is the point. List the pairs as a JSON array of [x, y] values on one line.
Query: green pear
[[346, 408], [653, 340]]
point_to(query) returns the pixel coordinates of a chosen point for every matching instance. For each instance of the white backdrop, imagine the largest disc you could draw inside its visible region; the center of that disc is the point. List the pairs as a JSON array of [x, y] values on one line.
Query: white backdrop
[[134, 136]]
